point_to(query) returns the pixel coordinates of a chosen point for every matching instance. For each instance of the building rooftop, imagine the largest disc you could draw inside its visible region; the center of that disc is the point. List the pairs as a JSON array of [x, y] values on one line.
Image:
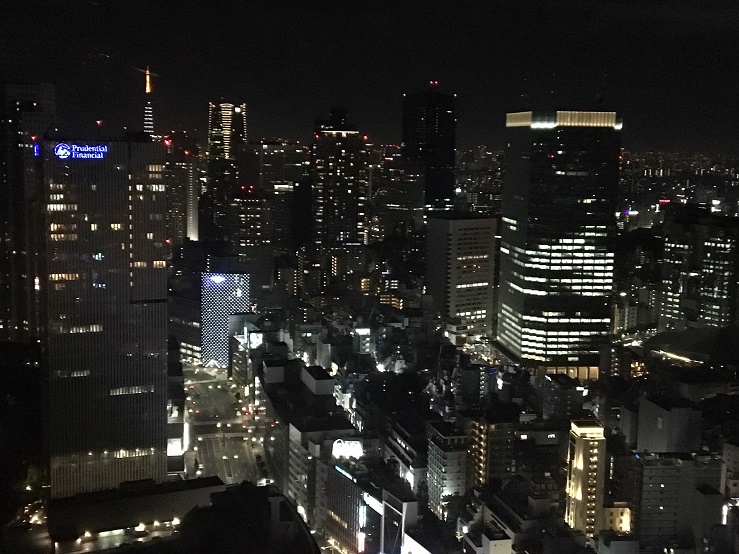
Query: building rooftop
[[433, 535], [133, 503], [670, 402], [446, 429], [291, 407], [492, 533], [318, 373], [249, 519], [697, 346], [374, 475]]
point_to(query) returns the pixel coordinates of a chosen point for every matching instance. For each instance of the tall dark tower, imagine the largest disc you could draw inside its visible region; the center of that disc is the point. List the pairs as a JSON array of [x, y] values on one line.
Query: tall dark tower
[[27, 113], [340, 184], [183, 187], [559, 202], [429, 139], [227, 136], [102, 280]]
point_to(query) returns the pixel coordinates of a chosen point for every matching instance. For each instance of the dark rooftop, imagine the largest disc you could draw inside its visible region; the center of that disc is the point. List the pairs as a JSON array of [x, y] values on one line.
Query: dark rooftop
[[318, 373]]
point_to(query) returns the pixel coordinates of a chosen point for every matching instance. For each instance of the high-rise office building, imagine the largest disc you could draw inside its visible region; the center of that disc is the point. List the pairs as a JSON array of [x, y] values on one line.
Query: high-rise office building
[[272, 161], [227, 129], [397, 197], [340, 184], [429, 139], [700, 266], [586, 469], [249, 223], [27, 113], [102, 282], [460, 279], [557, 255], [183, 187], [222, 295], [227, 136]]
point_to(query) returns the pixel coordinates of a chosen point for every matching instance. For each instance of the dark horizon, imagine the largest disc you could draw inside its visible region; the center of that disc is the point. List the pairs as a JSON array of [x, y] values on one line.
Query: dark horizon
[[663, 65]]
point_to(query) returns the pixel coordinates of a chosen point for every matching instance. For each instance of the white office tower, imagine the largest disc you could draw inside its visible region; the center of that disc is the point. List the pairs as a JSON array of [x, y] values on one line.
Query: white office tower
[[460, 272]]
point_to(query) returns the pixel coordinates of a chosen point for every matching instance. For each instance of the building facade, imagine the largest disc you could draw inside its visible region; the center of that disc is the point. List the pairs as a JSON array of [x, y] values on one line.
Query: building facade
[[102, 288], [429, 140], [558, 227], [460, 270], [227, 129], [674, 497], [340, 185], [222, 295], [183, 187], [447, 465], [27, 113], [699, 270], [586, 477]]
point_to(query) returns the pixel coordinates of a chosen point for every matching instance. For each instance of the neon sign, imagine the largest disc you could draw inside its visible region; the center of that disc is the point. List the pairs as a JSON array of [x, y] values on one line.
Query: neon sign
[[347, 449], [65, 151]]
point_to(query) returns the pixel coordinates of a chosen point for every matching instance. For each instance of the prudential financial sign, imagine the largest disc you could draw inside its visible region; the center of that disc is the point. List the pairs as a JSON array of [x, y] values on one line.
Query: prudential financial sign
[[65, 151]]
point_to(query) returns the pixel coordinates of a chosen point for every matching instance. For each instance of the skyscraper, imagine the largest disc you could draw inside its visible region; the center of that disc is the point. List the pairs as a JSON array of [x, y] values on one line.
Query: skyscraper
[[460, 278], [227, 135], [272, 161], [103, 297], [27, 113], [586, 469], [250, 222], [227, 129], [429, 139], [700, 265], [559, 202], [183, 187], [340, 184]]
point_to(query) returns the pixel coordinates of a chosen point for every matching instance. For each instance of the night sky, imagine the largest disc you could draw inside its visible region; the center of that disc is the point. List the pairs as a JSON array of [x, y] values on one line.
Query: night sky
[[669, 66]]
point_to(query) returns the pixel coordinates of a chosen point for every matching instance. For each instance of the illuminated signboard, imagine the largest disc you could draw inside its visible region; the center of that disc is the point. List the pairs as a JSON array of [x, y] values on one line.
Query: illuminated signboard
[[347, 449], [255, 340], [65, 151]]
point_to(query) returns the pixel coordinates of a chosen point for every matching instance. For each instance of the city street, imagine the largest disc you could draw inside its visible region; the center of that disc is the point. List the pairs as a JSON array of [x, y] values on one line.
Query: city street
[[222, 433]]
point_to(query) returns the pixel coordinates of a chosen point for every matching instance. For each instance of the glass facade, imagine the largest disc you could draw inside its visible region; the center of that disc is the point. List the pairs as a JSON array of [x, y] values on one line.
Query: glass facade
[[102, 293], [558, 227]]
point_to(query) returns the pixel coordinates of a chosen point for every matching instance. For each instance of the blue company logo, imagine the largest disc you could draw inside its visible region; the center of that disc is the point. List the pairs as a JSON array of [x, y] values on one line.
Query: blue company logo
[[64, 151]]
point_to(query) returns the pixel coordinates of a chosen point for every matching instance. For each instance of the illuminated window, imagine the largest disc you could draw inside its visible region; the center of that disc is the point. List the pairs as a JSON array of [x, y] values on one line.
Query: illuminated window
[[61, 207], [136, 389], [64, 276], [62, 236], [116, 226]]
